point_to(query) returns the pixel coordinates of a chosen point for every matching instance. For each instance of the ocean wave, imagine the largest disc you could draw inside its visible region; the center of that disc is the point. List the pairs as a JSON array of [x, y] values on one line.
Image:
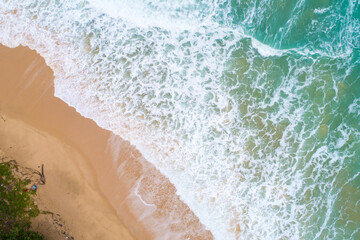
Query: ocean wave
[[248, 134]]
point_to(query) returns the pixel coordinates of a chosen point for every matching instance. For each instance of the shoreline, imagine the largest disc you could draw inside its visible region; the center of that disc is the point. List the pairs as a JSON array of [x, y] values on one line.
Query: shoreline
[[70, 191], [136, 192]]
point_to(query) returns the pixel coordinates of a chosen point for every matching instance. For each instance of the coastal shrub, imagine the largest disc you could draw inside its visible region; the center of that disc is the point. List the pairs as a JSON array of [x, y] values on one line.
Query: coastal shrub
[[17, 206]]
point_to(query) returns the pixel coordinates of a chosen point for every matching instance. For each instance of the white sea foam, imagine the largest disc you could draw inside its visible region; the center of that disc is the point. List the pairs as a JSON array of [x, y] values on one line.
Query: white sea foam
[[355, 107], [321, 10], [184, 14], [191, 96], [266, 50]]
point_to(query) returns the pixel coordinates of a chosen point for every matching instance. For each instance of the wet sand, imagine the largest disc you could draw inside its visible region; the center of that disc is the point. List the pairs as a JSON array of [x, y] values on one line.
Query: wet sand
[[105, 182]]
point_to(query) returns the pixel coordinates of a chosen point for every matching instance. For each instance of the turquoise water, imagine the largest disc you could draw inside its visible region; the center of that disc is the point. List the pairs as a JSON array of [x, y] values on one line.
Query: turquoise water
[[250, 108]]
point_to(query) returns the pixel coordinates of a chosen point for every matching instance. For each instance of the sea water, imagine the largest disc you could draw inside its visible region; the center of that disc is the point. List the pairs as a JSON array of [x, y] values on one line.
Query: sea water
[[250, 108]]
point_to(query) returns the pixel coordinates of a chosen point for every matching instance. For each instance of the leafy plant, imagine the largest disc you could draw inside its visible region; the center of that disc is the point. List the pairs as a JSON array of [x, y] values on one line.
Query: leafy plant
[[17, 205]]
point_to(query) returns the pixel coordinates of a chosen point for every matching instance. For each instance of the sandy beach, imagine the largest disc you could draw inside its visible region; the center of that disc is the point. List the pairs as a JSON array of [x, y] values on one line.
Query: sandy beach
[[98, 183], [70, 191]]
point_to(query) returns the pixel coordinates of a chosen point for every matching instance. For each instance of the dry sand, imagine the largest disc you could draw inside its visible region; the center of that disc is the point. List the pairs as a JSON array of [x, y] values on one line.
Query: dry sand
[[70, 189], [97, 182]]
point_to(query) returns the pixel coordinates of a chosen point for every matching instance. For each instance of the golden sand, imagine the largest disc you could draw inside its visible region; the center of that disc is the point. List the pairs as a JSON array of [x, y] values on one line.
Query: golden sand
[[98, 183]]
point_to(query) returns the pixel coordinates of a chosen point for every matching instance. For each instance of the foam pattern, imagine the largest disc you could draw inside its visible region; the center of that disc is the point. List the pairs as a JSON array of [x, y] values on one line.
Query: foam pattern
[[258, 132]]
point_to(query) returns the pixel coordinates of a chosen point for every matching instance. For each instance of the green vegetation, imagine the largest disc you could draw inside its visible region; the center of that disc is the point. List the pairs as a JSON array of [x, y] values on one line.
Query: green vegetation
[[17, 206]]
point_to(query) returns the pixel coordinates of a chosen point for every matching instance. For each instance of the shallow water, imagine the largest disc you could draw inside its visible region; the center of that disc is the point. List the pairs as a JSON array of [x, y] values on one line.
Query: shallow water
[[250, 108]]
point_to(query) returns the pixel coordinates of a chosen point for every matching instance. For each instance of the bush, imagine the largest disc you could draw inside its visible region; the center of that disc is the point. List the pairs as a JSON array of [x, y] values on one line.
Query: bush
[[17, 206]]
